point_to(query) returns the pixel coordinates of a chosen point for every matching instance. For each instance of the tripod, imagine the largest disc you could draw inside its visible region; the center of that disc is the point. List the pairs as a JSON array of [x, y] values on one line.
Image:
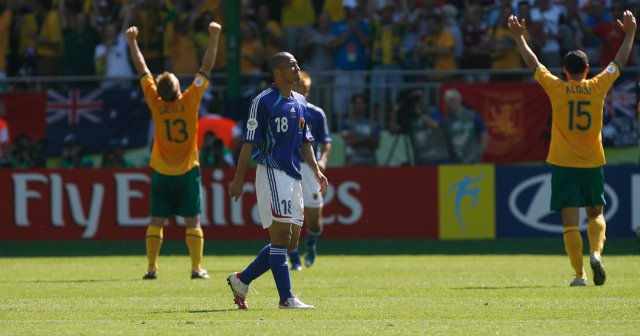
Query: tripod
[[407, 147]]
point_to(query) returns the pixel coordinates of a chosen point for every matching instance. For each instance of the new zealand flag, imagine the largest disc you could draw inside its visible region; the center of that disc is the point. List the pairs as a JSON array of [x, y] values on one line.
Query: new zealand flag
[[96, 118]]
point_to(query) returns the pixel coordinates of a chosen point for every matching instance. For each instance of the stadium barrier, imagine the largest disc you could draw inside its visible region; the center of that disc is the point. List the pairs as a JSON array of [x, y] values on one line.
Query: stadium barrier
[[428, 202]]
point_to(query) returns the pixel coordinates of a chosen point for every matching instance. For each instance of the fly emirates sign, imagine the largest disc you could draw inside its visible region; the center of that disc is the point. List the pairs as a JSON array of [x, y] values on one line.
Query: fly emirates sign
[[114, 204]]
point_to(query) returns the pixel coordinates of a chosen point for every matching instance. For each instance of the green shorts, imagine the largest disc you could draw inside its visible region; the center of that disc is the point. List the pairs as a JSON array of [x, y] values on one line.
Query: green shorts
[[576, 187], [175, 195]]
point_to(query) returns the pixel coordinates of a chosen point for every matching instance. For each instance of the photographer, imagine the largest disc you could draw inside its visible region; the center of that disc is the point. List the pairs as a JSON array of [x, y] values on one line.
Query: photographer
[[422, 125], [213, 152]]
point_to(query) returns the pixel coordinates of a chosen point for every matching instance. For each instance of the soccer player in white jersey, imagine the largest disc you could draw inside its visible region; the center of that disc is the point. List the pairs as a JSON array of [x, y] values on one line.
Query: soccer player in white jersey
[[278, 139], [317, 122]]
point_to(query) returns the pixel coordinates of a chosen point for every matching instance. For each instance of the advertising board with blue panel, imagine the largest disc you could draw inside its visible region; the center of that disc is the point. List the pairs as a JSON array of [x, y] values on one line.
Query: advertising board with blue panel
[[523, 196], [466, 201]]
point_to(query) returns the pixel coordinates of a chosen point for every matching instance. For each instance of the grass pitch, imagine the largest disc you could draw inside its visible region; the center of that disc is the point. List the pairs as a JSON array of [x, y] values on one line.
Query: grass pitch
[[493, 287]]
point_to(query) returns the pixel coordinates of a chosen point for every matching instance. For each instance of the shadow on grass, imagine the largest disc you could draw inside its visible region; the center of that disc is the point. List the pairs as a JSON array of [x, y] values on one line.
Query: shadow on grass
[[535, 246], [69, 281], [502, 287]]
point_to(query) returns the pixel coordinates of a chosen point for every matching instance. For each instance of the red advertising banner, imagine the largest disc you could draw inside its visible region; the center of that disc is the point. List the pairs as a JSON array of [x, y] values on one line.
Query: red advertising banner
[[517, 117], [25, 113], [361, 203]]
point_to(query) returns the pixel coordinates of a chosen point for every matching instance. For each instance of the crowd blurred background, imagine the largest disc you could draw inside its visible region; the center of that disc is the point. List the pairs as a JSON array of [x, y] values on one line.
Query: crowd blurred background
[[375, 48]]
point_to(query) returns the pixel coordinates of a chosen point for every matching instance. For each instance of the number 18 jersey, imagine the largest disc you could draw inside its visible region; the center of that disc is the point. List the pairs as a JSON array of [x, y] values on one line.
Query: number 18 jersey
[[175, 139], [577, 110], [277, 126]]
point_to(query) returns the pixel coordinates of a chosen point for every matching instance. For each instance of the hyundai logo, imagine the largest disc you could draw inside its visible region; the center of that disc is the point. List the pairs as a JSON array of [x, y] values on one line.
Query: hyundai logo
[[538, 188]]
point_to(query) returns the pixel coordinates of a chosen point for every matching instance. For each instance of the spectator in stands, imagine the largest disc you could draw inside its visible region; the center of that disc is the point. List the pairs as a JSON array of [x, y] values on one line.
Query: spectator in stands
[[80, 40], [423, 126], [225, 129], [437, 49], [270, 30], [477, 41], [21, 152], [547, 16], [113, 156], [8, 6], [214, 153], [201, 38], [39, 153], [350, 42], [4, 135], [361, 136], [465, 130], [504, 52], [73, 155], [48, 37], [180, 46], [451, 24], [316, 48], [252, 56], [111, 56], [387, 54], [298, 18], [149, 18]]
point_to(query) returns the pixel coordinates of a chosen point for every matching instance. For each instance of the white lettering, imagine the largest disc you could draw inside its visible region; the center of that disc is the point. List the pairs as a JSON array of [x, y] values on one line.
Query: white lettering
[[57, 213], [237, 206], [204, 218], [327, 198], [218, 198], [635, 200], [90, 222], [124, 194], [351, 202], [22, 194]]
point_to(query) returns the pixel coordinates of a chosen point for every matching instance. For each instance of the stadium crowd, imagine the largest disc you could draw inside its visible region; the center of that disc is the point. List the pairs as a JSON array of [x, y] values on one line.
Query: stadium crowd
[[85, 38]]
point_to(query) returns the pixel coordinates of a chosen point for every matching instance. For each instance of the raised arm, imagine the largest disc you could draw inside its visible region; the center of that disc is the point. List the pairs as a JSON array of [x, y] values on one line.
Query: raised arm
[[628, 25], [517, 29], [136, 55], [209, 58]]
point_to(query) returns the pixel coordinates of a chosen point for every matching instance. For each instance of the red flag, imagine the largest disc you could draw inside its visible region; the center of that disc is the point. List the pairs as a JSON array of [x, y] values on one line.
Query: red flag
[[517, 117]]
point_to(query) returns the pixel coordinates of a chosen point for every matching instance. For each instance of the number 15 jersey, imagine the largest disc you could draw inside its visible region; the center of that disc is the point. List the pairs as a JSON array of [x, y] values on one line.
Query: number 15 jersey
[[577, 110], [175, 139], [277, 126]]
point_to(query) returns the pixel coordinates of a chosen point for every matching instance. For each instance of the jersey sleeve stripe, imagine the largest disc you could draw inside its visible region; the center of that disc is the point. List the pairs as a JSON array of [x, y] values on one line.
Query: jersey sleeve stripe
[[204, 75], [254, 111]]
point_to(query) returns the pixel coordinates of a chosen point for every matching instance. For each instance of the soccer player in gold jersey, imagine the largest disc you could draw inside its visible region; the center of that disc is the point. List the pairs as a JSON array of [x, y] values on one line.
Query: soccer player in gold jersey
[[576, 155], [175, 182]]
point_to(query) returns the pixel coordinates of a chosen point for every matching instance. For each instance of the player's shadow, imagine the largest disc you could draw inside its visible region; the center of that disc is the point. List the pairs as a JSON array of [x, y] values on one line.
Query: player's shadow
[[69, 281], [500, 287]]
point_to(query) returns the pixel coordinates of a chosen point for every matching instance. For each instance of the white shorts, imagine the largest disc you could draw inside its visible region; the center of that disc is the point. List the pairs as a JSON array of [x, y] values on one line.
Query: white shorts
[[279, 197], [310, 188]]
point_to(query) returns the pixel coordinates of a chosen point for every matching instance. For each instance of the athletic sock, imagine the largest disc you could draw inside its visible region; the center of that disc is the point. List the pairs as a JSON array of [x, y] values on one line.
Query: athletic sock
[[294, 257], [280, 271], [195, 244], [312, 237], [596, 233], [573, 246], [257, 267], [153, 242]]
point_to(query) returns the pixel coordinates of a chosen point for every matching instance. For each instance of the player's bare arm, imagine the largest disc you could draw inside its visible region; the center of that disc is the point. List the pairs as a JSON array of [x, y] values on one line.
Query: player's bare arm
[[628, 25], [310, 159], [209, 58], [517, 30], [131, 34], [235, 187], [324, 158]]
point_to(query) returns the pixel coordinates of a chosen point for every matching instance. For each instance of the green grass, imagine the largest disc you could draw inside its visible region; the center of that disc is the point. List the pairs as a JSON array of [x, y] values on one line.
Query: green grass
[[512, 287]]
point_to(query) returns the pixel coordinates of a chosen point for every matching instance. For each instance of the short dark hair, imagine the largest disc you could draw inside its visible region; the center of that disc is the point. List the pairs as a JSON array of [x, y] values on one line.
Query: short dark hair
[[277, 60], [359, 95], [167, 89], [575, 61]]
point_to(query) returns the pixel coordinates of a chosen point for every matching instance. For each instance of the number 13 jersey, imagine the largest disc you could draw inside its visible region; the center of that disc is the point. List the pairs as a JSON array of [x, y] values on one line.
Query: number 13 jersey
[[175, 140], [577, 111]]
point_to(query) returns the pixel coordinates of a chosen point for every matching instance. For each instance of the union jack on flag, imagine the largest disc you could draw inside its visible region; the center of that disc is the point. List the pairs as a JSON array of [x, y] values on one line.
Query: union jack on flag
[[620, 122], [73, 106]]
